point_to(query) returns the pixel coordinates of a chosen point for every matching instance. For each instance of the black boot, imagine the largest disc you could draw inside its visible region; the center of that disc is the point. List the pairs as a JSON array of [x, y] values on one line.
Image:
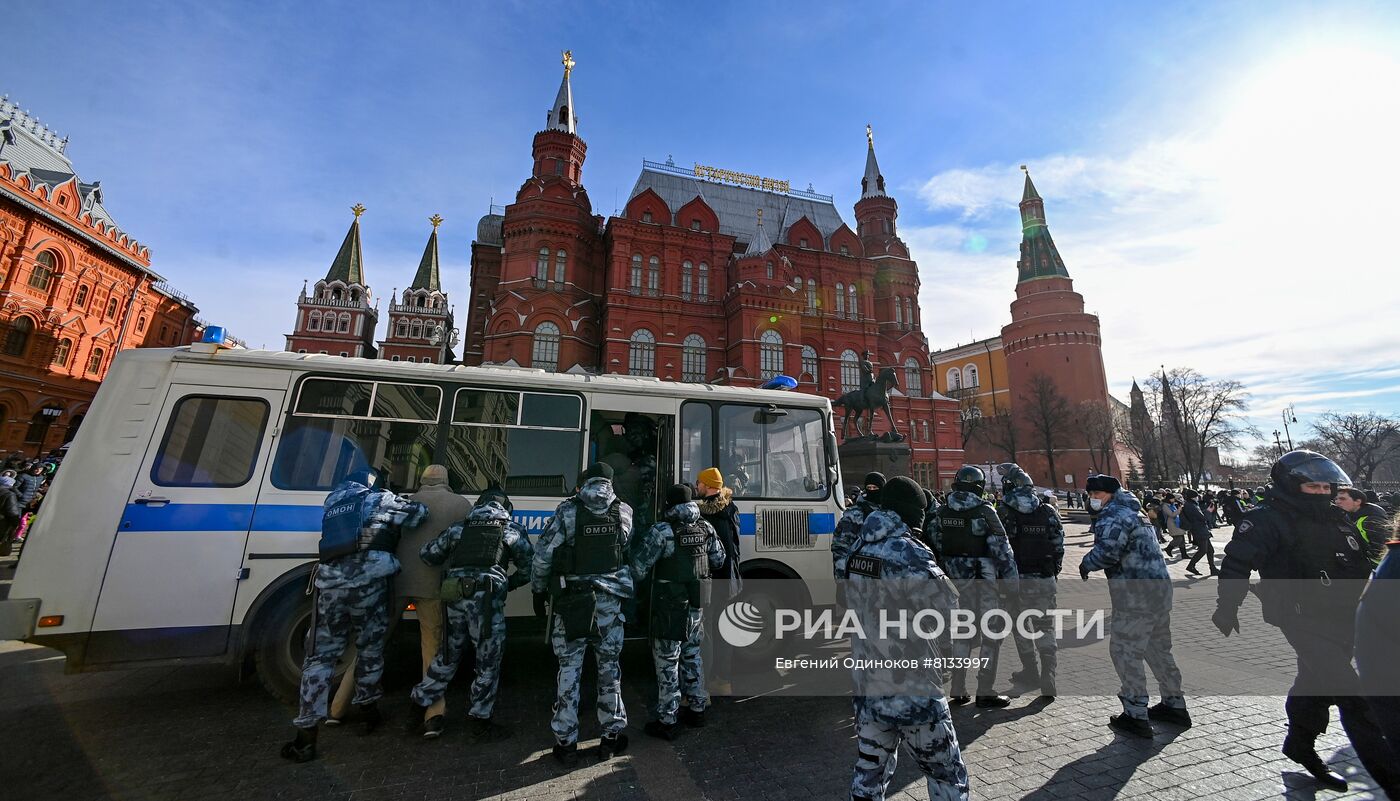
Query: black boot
[[482, 730], [1047, 678], [370, 718], [1177, 716], [303, 748], [1137, 727], [566, 755], [993, 701], [1026, 675], [662, 731], [612, 745], [691, 718], [434, 726], [1305, 754]]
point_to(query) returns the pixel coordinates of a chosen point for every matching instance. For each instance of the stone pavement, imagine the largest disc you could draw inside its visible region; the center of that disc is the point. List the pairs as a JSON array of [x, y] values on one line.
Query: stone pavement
[[193, 733]]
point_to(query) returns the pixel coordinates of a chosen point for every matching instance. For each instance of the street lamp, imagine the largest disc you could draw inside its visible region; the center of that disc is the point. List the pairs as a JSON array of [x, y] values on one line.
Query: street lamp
[[1278, 442], [1289, 417], [449, 341]]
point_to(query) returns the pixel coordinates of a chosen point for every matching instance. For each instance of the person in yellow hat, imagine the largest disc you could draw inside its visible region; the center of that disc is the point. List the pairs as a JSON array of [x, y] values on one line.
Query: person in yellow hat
[[717, 508]]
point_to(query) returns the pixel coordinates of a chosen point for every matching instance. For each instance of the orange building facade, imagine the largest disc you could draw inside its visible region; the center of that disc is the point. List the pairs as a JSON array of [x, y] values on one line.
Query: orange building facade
[[74, 290]]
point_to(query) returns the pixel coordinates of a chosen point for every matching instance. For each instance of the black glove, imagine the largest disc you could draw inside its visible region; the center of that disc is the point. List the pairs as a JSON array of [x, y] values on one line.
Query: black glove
[[541, 601], [1226, 619], [1083, 572]]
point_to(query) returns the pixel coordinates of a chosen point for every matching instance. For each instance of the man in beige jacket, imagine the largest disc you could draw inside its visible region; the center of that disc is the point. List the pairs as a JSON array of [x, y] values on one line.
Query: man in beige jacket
[[418, 583]]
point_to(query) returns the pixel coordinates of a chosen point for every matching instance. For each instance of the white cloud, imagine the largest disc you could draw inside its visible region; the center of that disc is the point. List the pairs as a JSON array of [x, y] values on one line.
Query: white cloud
[[1255, 245]]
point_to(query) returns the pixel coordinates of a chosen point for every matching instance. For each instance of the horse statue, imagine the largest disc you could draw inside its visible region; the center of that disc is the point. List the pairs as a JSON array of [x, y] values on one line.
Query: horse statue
[[864, 402]]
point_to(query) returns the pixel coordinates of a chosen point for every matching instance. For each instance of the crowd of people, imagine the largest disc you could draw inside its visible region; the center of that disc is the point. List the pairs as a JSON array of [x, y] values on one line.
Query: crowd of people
[[23, 484], [972, 550]]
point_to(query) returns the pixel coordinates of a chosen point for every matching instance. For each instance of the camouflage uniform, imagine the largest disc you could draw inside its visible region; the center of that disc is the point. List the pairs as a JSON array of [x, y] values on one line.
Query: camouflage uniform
[[1037, 581], [352, 598], [608, 591], [847, 533], [890, 569], [679, 668], [973, 576], [481, 616], [1127, 551]]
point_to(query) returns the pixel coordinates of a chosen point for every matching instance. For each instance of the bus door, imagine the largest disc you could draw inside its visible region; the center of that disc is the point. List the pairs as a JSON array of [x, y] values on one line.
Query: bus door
[[177, 556], [639, 447]]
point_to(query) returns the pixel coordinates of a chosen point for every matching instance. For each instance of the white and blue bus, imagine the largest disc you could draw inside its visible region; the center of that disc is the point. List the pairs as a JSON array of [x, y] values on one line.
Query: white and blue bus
[[183, 525]]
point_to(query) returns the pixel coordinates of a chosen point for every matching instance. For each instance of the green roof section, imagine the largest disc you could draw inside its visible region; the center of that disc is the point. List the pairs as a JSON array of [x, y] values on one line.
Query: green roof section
[[1029, 193], [427, 275], [1039, 256], [349, 265]]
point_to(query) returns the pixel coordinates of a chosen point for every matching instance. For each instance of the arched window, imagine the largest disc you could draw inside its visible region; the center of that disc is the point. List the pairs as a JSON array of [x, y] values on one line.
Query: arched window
[[95, 360], [685, 280], [355, 296], [401, 330], [850, 370], [641, 353], [44, 266], [560, 259], [80, 300], [141, 324], [542, 268], [544, 353], [898, 313], [809, 363], [653, 276], [812, 295], [840, 299], [770, 354], [60, 354], [344, 326], [908, 312], [415, 329], [693, 358], [913, 379], [852, 307], [954, 378], [970, 378], [702, 289], [768, 269], [17, 341], [635, 281], [112, 307], [313, 321]]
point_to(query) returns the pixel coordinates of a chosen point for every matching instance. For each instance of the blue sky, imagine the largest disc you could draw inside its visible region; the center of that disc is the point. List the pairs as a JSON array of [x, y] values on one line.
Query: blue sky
[[1215, 175]]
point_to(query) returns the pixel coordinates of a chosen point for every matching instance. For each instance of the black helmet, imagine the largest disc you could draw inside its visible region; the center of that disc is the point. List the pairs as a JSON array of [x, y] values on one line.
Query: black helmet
[[1016, 479], [970, 479], [1296, 468]]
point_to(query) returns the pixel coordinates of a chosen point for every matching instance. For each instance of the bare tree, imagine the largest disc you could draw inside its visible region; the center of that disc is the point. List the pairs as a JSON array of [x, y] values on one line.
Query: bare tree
[[1360, 443], [1049, 419], [1099, 424], [1000, 432], [1199, 414], [1138, 436], [969, 412]]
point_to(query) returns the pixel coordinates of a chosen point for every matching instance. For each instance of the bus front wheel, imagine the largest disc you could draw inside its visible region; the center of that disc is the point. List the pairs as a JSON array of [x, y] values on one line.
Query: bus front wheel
[[281, 644]]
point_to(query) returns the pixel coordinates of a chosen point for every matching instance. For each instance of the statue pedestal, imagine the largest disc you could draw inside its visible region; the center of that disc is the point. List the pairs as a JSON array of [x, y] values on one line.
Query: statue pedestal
[[859, 457]]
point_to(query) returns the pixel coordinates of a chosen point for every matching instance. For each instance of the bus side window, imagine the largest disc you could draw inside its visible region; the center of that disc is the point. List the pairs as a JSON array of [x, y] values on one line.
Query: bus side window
[[210, 442], [697, 443]]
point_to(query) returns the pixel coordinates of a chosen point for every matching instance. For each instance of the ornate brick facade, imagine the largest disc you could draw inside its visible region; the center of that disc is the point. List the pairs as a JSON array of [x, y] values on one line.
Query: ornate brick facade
[[700, 280], [74, 290]]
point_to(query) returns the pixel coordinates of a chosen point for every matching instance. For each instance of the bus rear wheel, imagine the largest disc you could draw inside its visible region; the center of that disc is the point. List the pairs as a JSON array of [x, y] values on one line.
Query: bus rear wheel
[[281, 644]]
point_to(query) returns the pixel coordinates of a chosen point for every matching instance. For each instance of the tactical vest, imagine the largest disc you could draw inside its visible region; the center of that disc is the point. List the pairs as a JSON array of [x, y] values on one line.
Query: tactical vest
[[689, 561], [1328, 564], [340, 528], [597, 540], [964, 533], [482, 545], [1030, 542]]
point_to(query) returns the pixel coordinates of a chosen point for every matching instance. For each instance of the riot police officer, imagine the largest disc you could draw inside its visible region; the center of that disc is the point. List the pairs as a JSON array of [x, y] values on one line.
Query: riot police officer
[[360, 528], [891, 568], [1038, 541], [848, 527], [682, 549], [970, 543], [580, 562], [478, 551], [1312, 567]]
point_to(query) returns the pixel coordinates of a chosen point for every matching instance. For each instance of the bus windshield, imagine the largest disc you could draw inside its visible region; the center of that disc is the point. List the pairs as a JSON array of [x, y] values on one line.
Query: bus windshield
[[772, 452]]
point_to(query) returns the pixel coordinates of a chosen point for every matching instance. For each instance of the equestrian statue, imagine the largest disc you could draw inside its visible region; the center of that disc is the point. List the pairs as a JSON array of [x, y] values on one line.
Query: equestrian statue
[[874, 393]]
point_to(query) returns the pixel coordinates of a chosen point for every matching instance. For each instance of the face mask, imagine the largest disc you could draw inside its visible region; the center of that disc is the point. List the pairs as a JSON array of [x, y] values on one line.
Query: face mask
[[1096, 504]]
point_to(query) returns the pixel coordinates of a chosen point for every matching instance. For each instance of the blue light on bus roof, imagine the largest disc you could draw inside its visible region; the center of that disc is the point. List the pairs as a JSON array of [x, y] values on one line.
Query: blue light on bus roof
[[784, 382], [214, 334]]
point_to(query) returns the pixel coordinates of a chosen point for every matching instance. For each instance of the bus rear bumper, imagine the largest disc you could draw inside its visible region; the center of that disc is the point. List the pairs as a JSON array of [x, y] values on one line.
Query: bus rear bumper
[[18, 617]]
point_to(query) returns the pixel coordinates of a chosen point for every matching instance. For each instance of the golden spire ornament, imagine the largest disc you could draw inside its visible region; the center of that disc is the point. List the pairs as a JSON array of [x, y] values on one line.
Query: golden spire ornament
[[436, 220], [568, 61], [869, 136], [358, 209]]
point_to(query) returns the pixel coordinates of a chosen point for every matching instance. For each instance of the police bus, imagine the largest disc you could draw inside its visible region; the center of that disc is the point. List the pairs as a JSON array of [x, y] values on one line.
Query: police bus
[[184, 525]]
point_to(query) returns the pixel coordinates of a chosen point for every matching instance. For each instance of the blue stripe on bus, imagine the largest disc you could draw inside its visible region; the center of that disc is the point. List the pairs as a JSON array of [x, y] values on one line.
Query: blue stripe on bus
[[287, 517]]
